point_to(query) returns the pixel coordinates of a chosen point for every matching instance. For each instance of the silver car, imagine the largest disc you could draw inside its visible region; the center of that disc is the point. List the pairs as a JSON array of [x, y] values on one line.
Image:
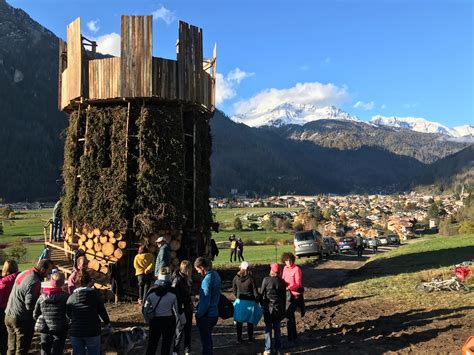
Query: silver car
[[308, 243]]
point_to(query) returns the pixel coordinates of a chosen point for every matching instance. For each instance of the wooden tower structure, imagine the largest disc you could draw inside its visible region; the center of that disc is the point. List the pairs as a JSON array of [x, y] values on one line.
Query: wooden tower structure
[[138, 145]]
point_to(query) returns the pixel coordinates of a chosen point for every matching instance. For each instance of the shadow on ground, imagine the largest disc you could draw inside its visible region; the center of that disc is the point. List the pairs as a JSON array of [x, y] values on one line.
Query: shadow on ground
[[414, 262], [385, 333]]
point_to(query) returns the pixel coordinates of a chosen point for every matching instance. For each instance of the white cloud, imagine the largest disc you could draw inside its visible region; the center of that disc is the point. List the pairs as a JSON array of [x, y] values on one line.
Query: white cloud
[[92, 26], [383, 106], [109, 44], [304, 67], [238, 75], [326, 60], [366, 106], [409, 105], [164, 14], [226, 85], [314, 93]]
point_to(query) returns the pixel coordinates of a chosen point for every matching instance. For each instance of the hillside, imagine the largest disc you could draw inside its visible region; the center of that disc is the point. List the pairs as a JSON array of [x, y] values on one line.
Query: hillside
[[449, 172], [30, 150], [339, 134], [262, 161]]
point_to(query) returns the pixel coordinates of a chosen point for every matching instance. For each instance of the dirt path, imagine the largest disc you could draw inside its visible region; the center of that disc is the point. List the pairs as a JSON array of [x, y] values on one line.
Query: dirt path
[[334, 324]]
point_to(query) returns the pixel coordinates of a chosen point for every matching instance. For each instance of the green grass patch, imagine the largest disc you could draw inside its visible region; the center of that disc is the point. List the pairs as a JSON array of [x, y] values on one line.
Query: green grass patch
[[395, 274], [258, 254], [255, 236], [33, 252], [27, 224]]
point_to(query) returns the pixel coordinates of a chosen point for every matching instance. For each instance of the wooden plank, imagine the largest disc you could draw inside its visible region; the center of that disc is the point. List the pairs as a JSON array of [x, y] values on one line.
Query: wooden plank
[[164, 77], [104, 78], [136, 56], [74, 60], [61, 67]]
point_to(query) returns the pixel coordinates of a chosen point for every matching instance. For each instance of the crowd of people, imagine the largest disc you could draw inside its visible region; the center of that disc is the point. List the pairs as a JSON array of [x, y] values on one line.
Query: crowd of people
[[30, 304], [41, 300]]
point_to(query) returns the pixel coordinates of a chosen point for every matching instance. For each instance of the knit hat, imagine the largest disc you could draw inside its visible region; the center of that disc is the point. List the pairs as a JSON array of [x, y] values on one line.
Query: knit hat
[[57, 280], [244, 265], [275, 268]]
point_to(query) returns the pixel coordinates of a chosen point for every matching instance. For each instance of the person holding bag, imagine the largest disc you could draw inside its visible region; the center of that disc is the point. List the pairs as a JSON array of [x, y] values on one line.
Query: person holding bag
[[160, 310], [246, 308], [273, 300], [181, 282]]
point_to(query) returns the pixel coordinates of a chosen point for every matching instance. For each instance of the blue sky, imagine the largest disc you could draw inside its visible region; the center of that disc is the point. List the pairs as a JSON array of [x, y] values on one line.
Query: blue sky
[[404, 58]]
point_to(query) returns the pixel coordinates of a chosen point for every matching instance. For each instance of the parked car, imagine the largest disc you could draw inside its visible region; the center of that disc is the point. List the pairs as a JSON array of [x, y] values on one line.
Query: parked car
[[346, 244], [373, 243], [309, 243], [331, 245], [393, 239], [383, 241]]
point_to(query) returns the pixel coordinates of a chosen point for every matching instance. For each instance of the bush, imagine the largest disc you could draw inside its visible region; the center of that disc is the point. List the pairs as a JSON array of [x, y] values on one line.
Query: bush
[[447, 228], [298, 225], [286, 241], [467, 227], [238, 224], [1, 228], [270, 241], [268, 224], [249, 242], [7, 210], [18, 251]]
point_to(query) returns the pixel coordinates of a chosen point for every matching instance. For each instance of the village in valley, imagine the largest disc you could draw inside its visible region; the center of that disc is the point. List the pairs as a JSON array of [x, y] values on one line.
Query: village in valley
[[407, 215]]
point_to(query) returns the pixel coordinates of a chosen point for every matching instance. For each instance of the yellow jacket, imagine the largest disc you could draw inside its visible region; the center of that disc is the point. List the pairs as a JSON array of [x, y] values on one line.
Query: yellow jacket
[[144, 263]]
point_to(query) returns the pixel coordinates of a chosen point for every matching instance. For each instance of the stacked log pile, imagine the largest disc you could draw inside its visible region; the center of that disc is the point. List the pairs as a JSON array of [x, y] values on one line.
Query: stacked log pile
[[101, 247]]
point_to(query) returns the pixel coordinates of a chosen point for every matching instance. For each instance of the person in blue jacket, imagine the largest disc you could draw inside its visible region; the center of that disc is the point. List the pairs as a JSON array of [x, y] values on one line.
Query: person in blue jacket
[[207, 312]]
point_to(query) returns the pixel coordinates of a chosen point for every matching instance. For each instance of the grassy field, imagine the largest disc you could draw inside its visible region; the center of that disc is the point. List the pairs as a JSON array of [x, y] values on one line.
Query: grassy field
[[261, 254], [26, 224], [395, 274], [226, 216]]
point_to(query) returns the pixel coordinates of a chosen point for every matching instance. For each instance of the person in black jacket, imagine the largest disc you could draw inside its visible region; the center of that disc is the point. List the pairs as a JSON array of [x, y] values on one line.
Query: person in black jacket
[[50, 316], [246, 308], [182, 282], [273, 300], [83, 308]]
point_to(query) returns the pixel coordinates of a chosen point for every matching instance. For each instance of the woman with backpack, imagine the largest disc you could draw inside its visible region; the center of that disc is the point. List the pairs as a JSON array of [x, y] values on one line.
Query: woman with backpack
[[273, 300], [50, 316], [182, 281], [160, 310], [246, 308], [9, 274]]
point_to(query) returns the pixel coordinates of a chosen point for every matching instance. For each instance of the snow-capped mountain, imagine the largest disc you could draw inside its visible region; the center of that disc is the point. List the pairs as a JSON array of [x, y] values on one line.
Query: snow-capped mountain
[[287, 113], [424, 126]]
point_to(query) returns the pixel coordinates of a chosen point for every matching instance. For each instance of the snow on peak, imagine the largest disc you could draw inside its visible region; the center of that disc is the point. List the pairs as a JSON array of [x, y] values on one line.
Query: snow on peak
[[288, 113], [422, 125]]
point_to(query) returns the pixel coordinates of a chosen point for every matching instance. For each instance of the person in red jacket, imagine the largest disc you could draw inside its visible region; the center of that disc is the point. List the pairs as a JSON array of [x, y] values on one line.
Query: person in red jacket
[[293, 278], [9, 274]]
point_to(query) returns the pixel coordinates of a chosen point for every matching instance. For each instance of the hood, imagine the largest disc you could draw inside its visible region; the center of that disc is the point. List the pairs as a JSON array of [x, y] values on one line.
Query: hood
[[83, 294], [52, 294], [9, 278], [162, 287], [243, 278]]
